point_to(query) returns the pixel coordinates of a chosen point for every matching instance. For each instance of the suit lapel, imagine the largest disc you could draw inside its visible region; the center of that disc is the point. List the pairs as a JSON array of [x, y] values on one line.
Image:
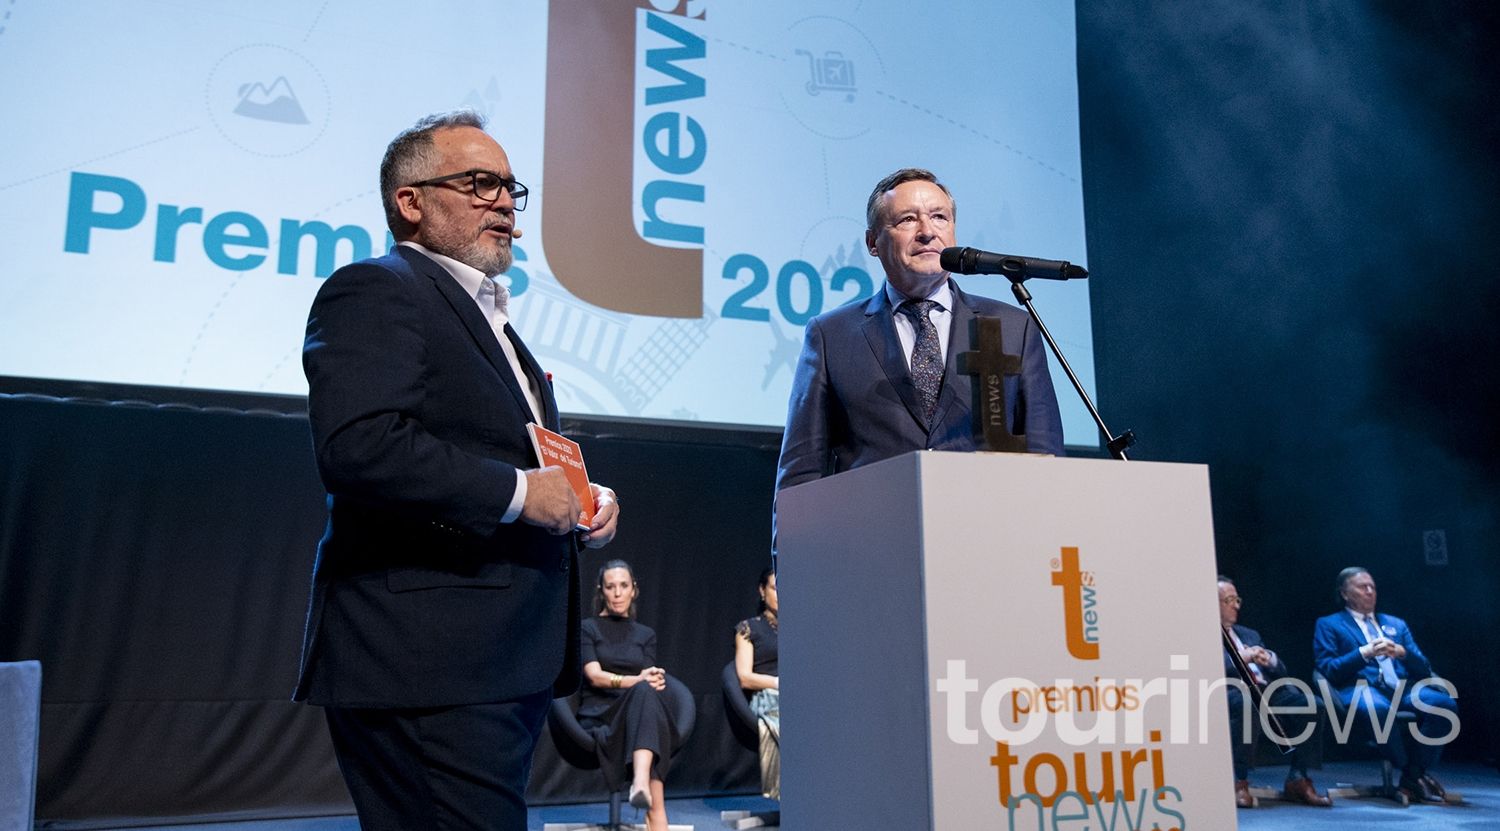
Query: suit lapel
[[534, 369], [468, 313], [880, 333]]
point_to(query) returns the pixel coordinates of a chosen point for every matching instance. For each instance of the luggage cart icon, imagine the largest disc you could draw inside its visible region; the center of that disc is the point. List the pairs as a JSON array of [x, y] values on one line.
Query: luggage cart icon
[[831, 73]]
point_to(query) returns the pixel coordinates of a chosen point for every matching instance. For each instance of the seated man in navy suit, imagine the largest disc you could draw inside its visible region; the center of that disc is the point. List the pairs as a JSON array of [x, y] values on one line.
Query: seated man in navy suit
[[879, 378], [1265, 666], [1371, 660]]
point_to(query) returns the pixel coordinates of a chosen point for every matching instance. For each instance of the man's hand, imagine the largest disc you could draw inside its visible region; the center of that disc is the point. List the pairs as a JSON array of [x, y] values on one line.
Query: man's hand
[[1384, 647], [606, 517], [550, 501], [1255, 655]]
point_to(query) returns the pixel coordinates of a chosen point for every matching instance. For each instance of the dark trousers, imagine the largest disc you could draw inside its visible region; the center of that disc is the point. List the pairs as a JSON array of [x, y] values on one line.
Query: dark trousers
[[440, 769], [1430, 723], [638, 720], [1293, 723]]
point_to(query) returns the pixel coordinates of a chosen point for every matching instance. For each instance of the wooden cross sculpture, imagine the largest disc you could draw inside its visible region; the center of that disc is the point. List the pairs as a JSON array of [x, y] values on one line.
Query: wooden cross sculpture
[[989, 364]]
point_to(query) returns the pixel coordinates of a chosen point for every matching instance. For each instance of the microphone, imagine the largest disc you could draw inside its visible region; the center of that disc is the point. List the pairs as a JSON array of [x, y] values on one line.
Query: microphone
[[515, 233], [974, 261]]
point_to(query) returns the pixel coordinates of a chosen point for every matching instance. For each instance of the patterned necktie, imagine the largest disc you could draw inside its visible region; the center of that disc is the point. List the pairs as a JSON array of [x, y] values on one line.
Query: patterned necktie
[[926, 355]]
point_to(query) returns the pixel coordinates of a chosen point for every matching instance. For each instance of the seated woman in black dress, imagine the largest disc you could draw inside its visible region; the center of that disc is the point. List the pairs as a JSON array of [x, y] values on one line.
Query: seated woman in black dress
[[623, 703], [755, 658]]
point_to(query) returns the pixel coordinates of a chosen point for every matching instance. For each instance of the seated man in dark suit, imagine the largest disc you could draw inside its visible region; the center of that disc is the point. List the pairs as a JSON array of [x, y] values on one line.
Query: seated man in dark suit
[[1265, 666], [1371, 660]]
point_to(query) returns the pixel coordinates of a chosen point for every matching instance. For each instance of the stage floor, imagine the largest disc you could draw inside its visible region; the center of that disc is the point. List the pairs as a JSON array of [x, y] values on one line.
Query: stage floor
[[1480, 787]]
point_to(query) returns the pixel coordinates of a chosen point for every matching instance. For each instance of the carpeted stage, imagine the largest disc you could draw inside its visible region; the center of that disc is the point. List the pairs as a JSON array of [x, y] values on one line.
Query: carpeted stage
[[1480, 787]]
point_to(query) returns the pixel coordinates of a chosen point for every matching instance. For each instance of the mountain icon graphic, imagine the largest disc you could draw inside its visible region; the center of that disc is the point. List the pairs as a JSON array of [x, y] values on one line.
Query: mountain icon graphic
[[277, 103]]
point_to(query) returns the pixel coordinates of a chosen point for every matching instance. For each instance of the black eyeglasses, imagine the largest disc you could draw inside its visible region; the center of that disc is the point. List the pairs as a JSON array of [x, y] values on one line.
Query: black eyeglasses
[[484, 185]]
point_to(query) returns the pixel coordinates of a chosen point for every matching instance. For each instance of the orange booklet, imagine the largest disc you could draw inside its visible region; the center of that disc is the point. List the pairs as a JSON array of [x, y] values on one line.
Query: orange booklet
[[555, 449]]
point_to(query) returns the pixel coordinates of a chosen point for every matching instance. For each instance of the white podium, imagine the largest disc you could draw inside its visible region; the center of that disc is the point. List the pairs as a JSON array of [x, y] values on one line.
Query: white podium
[[1001, 642]]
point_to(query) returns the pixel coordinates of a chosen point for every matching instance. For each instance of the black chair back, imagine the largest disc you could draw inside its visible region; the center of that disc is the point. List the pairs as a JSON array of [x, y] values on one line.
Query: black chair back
[[577, 745], [742, 721]]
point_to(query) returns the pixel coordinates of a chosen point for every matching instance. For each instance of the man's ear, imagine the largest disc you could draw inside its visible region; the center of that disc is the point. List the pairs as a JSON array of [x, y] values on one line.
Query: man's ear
[[870, 237], [408, 205]]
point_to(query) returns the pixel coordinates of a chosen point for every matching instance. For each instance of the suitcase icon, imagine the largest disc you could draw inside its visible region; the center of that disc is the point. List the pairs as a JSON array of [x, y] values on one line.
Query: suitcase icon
[[831, 73]]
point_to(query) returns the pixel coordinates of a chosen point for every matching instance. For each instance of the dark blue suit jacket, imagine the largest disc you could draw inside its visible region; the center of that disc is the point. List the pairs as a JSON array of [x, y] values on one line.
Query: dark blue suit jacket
[[853, 400], [1336, 642], [1250, 637], [421, 597]]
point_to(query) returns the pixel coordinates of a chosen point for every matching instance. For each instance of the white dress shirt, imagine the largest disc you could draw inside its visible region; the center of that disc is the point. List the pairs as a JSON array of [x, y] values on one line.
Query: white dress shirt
[[492, 300]]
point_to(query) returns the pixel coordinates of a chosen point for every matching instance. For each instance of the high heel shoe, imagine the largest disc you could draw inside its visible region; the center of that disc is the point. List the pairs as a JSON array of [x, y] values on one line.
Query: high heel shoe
[[640, 798]]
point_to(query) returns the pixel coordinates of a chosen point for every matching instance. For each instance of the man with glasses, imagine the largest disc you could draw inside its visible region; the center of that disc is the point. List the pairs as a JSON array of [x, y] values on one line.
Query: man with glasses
[[1265, 668], [444, 614]]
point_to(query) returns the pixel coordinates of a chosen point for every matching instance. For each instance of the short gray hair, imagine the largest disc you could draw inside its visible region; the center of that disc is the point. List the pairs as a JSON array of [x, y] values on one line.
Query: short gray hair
[[1345, 576], [410, 158], [901, 177]]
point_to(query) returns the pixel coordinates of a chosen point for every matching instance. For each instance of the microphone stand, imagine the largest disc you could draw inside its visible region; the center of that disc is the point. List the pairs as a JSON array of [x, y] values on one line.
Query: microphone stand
[[1116, 445]]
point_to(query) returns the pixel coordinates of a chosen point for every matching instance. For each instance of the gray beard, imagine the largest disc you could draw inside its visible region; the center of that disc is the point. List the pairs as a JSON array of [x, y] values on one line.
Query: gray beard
[[491, 260]]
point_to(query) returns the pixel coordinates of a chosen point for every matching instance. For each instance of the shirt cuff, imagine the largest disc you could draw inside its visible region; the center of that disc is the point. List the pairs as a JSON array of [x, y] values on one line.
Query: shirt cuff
[[518, 500]]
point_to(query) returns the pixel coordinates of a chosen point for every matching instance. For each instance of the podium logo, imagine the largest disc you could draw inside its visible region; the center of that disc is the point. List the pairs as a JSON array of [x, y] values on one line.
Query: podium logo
[[1080, 617], [588, 220]]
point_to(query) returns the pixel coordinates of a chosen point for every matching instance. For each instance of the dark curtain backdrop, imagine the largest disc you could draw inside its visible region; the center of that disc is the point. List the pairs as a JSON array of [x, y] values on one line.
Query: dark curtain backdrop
[[1292, 224], [157, 561]]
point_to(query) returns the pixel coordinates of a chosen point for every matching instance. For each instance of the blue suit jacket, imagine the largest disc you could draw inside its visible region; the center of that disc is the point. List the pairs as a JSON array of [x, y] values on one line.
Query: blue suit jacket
[[421, 597], [1336, 642], [853, 400]]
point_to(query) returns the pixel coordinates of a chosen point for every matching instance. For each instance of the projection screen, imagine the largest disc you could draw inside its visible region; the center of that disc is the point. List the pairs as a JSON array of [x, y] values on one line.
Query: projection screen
[[179, 178]]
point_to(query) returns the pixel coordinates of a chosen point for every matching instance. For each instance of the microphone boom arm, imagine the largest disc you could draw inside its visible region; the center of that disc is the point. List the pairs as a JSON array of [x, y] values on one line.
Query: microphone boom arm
[[1115, 445]]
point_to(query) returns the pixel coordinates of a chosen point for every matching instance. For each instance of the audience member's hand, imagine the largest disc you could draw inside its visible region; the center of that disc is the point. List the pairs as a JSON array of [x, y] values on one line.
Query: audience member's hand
[[550, 501], [606, 517], [1383, 647], [655, 676], [1387, 648]]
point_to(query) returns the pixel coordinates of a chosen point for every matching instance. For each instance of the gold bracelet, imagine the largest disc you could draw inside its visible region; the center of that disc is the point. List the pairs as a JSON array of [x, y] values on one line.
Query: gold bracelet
[[614, 680]]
